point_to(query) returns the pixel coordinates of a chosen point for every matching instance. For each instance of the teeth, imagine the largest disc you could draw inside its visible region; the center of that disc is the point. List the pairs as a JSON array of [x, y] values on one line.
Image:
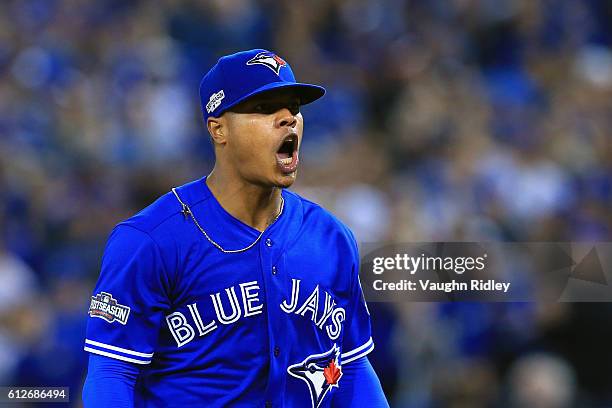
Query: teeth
[[286, 161]]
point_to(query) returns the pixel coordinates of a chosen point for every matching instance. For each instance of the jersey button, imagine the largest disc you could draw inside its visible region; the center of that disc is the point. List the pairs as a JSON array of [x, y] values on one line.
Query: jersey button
[[274, 270], [269, 242], [276, 351]]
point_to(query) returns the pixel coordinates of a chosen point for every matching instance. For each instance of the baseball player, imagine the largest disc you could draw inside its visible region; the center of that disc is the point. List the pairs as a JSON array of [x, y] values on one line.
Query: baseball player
[[231, 290]]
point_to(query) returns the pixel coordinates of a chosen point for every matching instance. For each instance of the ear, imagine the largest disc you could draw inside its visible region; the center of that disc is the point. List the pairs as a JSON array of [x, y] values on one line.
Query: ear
[[216, 129]]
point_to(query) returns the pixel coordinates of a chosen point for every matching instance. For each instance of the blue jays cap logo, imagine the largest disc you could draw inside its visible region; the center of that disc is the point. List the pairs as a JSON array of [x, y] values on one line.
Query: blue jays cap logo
[[268, 59], [321, 372]]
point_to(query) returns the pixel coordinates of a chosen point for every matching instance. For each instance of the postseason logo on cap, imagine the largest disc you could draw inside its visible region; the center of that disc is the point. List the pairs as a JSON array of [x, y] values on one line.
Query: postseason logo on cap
[[268, 59], [215, 101]]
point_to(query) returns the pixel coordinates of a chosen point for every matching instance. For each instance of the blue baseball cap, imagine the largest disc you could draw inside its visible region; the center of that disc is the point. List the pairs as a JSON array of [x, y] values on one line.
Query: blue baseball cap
[[237, 77]]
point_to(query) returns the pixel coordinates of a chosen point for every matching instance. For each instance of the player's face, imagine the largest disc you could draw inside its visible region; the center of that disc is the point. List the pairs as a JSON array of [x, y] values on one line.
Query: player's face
[[263, 138]]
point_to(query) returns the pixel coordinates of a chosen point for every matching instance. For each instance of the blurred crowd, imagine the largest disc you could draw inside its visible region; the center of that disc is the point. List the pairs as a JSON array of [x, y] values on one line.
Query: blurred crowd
[[445, 120]]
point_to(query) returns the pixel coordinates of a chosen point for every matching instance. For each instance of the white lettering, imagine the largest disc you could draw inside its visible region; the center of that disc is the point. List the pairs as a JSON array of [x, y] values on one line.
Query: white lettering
[[311, 304], [182, 332], [330, 304], [236, 312], [202, 330], [333, 330], [295, 292], [248, 298]]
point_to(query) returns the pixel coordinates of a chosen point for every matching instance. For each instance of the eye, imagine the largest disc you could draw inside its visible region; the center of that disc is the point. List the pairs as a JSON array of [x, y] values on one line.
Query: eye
[[268, 108], [263, 108], [294, 108]]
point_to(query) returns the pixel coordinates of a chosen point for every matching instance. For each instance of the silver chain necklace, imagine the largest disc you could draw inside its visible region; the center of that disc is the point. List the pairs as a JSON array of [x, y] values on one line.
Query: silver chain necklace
[[188, 213]]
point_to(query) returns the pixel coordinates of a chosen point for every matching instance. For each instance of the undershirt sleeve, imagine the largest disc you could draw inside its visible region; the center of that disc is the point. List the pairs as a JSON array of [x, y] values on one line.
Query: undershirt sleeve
[[360, 387], [109, 383]]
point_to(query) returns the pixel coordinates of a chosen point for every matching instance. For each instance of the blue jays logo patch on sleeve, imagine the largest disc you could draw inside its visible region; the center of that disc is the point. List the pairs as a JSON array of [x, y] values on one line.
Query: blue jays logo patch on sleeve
[[321, 372], [105, 307], [272, 61]]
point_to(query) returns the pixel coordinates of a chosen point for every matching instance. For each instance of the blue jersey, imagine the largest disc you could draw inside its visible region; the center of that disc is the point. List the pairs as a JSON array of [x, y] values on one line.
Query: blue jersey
[[273, 325]]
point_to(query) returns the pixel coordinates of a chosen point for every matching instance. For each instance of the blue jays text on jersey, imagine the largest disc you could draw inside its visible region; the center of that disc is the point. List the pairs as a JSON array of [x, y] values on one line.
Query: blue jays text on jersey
[[273, 324]]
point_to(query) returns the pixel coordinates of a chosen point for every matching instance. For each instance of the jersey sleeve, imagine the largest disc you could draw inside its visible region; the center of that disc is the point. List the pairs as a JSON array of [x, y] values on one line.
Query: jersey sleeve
[[130, 298], [357, 341]]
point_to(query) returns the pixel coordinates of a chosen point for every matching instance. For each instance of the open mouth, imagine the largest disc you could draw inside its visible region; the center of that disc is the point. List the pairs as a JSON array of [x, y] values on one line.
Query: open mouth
[[287, 154]]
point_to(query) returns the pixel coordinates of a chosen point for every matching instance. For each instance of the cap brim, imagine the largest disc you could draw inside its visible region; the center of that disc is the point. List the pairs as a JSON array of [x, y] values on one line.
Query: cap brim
[[306, 92]]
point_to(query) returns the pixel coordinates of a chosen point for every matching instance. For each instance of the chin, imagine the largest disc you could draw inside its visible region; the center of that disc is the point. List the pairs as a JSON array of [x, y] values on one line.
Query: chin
[[286, 180]]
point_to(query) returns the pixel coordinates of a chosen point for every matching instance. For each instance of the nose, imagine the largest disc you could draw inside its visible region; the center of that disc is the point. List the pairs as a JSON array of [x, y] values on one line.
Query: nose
[[285, 118]]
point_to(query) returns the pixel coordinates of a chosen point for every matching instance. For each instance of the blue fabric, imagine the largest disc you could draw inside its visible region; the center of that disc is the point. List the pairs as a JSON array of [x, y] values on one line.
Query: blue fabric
[[236, 77], [273, 323], [109, 383], [360, 387]]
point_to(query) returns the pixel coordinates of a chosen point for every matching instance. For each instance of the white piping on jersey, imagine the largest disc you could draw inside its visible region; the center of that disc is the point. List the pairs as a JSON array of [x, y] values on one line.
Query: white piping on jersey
[[358, 352], [115, 348], [358, 349], [187, 212], [116, 356]]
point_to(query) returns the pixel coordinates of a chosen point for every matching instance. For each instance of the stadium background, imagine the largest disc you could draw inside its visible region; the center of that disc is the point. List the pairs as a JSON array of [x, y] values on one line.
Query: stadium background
[[444, 120]]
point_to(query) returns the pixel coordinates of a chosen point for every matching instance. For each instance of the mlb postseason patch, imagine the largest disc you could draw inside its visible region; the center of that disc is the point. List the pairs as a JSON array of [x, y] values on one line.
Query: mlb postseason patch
[[215, 101], [105, 307]]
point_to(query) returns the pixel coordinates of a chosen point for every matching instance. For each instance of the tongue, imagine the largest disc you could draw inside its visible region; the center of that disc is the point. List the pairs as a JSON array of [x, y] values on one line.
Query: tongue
[[287, 162]]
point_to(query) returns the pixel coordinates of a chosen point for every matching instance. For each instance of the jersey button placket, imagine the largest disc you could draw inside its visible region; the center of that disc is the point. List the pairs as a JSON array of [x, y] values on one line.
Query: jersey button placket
[[269, 252]]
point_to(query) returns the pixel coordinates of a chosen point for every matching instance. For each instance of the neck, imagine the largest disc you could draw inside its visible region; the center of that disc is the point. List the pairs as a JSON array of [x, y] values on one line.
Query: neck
[[254, 205]]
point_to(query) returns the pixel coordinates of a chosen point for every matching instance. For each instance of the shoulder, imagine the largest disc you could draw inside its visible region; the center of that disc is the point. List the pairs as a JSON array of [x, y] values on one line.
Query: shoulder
[[154, 233], [155, 216], [150, 222], [161, 220], [160, 214], [315, 215], [141, 236]]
